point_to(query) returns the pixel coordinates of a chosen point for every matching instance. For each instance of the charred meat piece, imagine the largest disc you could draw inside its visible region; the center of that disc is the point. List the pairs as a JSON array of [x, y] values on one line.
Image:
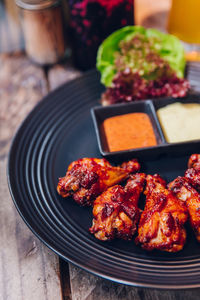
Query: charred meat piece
[[194, 161], [116, 211], [193, 177], [193, 171], [87, 178], [161, 223], [183, 190]]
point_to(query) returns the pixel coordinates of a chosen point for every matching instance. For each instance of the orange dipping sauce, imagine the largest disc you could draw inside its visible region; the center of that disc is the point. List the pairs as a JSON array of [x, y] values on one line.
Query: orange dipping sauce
[[129, 131]]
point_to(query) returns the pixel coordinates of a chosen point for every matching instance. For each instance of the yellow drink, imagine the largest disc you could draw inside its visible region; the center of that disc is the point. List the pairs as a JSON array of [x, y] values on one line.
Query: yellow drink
[[184, 20]]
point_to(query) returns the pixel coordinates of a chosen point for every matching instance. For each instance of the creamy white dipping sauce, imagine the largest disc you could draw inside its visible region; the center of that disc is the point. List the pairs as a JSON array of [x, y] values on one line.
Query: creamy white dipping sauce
[[180, 122]]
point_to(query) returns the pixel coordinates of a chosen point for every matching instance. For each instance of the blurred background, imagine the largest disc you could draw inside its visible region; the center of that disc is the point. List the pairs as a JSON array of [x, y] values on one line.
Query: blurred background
[[78, 27]]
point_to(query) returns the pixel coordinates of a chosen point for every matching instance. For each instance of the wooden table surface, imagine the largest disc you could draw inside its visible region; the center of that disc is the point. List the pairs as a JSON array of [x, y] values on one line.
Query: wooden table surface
[[29, 270]]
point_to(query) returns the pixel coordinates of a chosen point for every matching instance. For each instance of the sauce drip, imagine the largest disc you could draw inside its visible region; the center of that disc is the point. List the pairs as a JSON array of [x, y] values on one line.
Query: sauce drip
[[129, 131]]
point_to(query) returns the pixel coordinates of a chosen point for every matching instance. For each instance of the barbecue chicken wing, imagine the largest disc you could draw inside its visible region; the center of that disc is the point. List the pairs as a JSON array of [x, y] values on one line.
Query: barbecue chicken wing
[[116, 211], [193, 171], [87, 178], [161, 223], [194, 161], [185, 192]]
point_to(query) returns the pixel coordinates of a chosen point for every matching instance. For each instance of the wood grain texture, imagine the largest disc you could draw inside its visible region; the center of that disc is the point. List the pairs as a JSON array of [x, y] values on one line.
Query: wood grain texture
[[28, 270], [85, 286], [61, 73], [22, 85]]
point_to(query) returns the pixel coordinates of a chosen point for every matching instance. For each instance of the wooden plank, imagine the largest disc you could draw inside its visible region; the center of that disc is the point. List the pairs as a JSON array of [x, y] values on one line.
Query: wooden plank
[[22, 85], [28, 270], [85, 286], [65, 280], [61, 74]]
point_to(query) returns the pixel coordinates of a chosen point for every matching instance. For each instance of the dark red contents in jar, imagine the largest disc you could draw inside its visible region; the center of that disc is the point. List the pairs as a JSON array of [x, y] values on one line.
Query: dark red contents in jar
[[91, 21]]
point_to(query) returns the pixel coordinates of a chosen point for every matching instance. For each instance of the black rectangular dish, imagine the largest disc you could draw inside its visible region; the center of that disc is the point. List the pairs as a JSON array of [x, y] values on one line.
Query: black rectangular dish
[[150, 107]]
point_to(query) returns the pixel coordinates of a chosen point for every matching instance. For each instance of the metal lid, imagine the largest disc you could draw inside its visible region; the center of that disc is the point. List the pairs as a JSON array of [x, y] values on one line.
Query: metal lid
[[36, 4]]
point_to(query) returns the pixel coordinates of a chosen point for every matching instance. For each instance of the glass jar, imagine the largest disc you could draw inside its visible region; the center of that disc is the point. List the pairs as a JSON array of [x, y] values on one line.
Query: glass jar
[[91, 21], [42, 25]]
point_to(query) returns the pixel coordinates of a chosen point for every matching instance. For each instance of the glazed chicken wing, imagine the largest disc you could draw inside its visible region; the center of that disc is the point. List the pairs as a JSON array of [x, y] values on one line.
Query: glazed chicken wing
[[185, 192], [193, 171], [161, 223], [116, 211], [87, 178], [194, 161]]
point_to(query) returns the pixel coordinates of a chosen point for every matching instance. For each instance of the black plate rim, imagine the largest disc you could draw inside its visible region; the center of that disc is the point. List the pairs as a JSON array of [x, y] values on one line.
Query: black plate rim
[[50, 245]]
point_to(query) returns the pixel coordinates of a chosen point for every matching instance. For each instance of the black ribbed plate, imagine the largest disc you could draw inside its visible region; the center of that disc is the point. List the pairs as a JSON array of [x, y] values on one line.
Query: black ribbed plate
[[58, 131]]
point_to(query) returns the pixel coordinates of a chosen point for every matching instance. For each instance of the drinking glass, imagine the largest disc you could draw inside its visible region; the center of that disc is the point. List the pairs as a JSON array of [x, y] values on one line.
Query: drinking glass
[[184, 22]]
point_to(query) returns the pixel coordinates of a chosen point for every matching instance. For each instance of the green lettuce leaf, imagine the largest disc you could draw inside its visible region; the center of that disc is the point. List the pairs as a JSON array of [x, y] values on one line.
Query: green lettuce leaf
[[169, 48]]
